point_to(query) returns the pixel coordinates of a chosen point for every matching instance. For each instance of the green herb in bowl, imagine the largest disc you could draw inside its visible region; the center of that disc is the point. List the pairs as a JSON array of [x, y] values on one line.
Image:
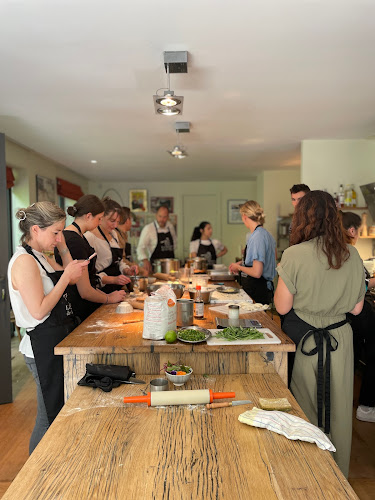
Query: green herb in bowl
[[191, 335]]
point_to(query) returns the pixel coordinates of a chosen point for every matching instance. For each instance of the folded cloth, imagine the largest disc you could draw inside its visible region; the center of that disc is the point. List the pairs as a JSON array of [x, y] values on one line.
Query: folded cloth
[[105, 377], [290, 426]]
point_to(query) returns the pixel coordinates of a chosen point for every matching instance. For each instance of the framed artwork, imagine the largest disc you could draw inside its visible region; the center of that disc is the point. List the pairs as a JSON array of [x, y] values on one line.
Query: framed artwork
[[234, 216], [45, 189], [161, 201], [138, 200]]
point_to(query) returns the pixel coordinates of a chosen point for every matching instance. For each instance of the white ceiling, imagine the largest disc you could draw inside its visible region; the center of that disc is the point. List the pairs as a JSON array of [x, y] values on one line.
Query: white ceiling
[[78, 76]]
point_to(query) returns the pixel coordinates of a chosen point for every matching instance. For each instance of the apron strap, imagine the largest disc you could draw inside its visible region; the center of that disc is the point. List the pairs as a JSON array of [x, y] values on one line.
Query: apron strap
[[321, 335], [29, 250]]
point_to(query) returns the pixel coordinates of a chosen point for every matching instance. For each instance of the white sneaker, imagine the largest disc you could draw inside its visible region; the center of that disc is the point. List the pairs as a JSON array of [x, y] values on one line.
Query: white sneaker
[[366, 413]]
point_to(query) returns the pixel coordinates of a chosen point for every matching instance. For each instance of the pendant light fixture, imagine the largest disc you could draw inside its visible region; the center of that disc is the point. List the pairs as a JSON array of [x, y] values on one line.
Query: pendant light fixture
[[178, 151], [168, 104]]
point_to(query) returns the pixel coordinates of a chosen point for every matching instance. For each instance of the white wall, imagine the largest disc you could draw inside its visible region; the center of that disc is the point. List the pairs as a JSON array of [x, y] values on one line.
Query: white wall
[[232, 235], [327, 164], [26, 165]]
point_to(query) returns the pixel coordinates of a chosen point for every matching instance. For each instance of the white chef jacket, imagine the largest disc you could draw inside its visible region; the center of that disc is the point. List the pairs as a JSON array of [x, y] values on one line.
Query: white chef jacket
[[149, 239]]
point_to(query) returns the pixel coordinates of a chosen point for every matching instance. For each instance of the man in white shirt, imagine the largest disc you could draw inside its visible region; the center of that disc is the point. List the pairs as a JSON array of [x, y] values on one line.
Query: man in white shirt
[[157, 241]]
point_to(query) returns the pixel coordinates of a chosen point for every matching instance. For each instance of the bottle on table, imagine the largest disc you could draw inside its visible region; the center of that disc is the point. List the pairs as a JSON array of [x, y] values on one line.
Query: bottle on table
[[198, 304]]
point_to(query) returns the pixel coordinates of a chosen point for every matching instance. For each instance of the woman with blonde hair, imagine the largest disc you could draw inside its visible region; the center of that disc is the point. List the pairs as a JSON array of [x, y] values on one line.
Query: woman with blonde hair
[[259, 264], [38, 289]]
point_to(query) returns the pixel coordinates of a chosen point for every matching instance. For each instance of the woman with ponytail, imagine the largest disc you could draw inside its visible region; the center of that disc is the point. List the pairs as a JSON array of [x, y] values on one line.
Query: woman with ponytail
[[202, 245]]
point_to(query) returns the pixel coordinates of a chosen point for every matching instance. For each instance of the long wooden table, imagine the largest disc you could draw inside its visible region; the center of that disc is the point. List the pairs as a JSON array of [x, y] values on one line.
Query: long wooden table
[[104, 338], [100, 448]]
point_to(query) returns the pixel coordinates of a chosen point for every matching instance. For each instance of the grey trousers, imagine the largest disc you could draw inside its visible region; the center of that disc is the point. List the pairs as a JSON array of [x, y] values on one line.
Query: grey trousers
[[41, 423]]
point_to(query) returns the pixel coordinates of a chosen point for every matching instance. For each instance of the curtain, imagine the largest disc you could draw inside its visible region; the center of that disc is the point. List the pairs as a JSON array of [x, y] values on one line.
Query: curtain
[[68, 189]]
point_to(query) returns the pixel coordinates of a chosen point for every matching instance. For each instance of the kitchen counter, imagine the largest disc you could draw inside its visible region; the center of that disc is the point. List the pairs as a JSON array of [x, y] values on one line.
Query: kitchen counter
[[104, 338], [98, 447]]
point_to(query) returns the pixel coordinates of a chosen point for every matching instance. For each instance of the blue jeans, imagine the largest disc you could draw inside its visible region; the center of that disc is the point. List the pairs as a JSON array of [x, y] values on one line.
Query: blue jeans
[[41, 423]]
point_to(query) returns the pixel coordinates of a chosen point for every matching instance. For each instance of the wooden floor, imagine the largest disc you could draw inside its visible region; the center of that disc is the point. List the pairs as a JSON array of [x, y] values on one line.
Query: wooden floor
[[17, 421]]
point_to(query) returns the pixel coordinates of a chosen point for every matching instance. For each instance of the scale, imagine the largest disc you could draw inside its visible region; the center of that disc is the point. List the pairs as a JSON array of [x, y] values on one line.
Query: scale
[[245, 323]]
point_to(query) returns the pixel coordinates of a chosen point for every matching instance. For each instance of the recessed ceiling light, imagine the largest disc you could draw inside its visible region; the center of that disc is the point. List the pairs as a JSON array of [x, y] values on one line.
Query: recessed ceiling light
[[168, 111], [94, 161]]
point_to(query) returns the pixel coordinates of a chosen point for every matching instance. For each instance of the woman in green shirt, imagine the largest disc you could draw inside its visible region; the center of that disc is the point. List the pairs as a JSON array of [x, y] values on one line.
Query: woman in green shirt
[[320, 280]]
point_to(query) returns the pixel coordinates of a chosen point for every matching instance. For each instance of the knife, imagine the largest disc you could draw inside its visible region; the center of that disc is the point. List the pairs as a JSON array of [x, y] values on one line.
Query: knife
[[132, 380], [232, 403]]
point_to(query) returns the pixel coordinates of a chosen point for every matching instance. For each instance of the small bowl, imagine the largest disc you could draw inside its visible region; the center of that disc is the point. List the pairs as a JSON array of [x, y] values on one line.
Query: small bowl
[[159, 384], [178, 289], [178, 380]]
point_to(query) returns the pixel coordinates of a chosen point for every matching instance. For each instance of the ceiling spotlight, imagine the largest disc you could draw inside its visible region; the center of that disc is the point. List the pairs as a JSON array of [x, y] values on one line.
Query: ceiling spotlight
[[175, 62], [168, 111], [94, 161], [178, 151]]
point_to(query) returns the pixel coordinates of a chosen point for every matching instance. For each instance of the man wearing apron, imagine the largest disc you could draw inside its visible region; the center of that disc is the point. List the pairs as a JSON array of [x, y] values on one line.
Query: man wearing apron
[[157, 241]]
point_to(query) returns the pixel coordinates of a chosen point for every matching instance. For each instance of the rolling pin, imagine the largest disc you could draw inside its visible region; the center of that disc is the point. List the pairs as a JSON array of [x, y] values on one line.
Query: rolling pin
[[164, 277], [165, 398]]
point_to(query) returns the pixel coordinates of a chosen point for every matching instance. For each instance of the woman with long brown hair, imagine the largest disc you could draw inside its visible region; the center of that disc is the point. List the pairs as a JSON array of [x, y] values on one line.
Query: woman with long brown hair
[[320, 280]]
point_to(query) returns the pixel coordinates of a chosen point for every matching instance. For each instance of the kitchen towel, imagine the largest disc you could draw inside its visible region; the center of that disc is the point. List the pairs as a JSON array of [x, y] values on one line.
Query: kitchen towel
[[290, 426]]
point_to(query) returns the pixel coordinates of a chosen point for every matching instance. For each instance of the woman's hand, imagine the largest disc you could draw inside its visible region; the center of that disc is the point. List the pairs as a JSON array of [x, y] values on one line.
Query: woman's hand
[[121, 280], [235, 267], [115, 297], [74, 270], [132, 270]]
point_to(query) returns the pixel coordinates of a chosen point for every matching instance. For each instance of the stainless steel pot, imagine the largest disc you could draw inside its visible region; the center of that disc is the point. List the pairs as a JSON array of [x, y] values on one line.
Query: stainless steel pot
[[199, 264], [166, 265]]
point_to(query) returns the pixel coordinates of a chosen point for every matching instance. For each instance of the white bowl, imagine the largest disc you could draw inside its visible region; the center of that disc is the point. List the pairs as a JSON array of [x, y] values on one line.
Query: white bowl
[[178, 380]]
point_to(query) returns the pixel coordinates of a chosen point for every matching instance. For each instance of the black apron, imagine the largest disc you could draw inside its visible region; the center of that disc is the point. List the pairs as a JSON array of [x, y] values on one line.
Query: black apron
[[44, 338], [208, 252], [298, 330], [164, 248], [82, 308], [114, 268], [128, 251], [257, 288]]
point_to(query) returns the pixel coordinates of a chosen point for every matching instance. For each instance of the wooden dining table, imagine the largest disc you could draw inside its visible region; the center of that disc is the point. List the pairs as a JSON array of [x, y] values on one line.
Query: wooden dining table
[[100, 448], [107, 337]]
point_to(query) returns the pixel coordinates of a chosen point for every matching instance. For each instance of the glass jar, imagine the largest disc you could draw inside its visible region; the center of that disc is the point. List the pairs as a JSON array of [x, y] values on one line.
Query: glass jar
[[233, 312]]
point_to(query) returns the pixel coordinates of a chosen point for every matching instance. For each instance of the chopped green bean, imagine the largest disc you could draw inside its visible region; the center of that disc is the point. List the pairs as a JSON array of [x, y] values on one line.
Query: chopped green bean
[[191, 335], [239, 333]]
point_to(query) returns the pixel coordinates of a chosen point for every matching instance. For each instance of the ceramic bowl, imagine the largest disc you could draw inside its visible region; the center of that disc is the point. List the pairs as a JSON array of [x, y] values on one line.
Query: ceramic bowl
[[178, 380]]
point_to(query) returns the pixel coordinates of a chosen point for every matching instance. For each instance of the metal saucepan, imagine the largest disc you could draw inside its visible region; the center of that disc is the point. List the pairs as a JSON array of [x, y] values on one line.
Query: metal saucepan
[[166, 265], [197, 263]]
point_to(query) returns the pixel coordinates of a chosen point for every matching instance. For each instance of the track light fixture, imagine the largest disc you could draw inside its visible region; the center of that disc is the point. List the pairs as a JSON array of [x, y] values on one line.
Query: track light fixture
[[178, 151], [168, 104]]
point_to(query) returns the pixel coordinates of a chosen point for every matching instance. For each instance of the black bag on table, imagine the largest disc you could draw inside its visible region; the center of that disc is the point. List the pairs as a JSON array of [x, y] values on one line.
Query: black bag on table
[[105, 377]]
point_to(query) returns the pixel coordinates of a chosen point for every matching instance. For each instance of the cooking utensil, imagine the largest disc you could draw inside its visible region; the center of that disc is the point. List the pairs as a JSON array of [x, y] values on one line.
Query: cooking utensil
[[227, 289], [166, 265], [205, 294], [159, 384], [197, 396], [227, 403], [178, 289], [132, 380], [185, 312], [206, 332]]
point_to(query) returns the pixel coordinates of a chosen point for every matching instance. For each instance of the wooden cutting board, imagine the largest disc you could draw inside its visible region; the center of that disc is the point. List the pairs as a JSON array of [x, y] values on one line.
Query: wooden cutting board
[[269, 338]]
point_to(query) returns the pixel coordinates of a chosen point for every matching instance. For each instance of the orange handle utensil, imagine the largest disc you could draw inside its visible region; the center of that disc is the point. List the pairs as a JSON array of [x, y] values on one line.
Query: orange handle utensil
[[218, 405], [199, 396]]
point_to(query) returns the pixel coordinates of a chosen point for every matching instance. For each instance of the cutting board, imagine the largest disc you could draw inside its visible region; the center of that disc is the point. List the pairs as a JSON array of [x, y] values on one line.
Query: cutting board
[[269, 338]]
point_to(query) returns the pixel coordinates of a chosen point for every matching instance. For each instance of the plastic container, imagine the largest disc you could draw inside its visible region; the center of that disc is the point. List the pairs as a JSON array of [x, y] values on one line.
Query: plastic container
[[199, 279]]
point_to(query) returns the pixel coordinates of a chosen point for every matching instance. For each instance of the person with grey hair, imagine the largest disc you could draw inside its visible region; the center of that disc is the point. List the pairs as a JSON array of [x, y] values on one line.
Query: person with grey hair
[[38, 294]]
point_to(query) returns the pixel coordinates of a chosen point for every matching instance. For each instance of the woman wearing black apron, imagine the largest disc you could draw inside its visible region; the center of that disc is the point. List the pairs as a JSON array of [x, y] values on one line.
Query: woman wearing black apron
[[258, 269], [39, 297], [86, 296], [109, 264], [202, 245], [320, 280]]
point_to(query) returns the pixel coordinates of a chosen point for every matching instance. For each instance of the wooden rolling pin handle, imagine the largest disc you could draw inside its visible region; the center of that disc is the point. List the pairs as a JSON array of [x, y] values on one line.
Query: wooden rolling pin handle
[[218, 405]]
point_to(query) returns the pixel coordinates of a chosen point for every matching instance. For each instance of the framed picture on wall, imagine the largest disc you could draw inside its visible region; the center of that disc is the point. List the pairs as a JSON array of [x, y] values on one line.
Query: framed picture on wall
[[138, 200], [234, 216], [45, 189], [161, 201]]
